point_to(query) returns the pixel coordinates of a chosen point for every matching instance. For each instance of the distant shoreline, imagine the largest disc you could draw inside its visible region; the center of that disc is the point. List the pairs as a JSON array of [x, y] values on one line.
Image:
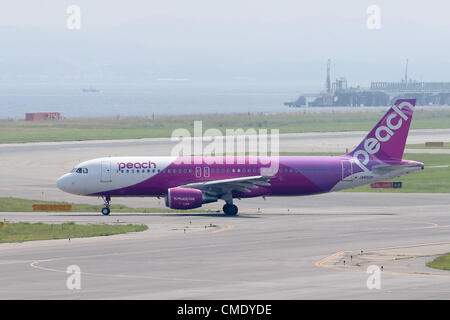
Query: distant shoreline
[[289, 111]]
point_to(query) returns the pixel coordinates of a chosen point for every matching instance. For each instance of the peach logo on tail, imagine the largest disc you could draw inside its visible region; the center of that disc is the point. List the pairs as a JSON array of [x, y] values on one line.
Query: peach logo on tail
[[136, 165], [382, 134]]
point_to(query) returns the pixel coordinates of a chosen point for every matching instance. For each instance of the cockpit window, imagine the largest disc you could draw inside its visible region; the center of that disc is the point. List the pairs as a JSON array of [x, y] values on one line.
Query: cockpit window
[[79, 170]]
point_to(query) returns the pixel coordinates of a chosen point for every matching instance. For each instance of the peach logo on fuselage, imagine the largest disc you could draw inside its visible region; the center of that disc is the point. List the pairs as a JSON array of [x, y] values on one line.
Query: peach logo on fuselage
[[136, 165]]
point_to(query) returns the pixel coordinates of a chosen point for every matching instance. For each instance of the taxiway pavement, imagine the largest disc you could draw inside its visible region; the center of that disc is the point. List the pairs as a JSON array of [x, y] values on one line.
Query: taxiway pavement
[[293, 249]]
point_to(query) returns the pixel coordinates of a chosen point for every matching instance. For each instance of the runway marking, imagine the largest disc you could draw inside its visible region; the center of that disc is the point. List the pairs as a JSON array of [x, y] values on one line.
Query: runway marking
[[322, 262], [229, 227], [34, 264], [432, 226], [13, 262]]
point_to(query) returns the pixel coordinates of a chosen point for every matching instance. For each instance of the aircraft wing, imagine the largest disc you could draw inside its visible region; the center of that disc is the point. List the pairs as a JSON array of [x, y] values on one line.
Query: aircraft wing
[[219, 187]]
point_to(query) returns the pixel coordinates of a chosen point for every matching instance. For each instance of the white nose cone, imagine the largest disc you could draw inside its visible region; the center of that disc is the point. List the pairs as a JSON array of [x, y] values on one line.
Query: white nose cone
[[64, 183]]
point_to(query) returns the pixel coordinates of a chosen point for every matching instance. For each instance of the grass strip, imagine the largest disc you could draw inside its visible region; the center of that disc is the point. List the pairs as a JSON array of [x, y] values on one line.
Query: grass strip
[[442, 262], [422, 146], [24, 231], [76, 129]]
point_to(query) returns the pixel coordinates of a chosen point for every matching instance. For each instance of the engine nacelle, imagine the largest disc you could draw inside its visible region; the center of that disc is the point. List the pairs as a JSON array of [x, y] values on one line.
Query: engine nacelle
[[186, 198]]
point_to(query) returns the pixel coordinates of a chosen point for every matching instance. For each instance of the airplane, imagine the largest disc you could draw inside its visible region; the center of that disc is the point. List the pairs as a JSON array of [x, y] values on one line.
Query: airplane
[[188, 184]]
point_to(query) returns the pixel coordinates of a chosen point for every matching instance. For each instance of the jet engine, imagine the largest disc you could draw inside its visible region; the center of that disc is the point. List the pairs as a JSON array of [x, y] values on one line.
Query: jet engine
[[187, 198]]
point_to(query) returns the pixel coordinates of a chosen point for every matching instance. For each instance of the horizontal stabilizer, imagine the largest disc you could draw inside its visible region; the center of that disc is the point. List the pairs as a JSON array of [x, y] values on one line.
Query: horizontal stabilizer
[[389, 168]]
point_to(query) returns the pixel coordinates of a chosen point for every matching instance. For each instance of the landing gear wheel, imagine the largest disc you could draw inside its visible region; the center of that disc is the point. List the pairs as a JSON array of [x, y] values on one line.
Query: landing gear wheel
[[230, 209], [106, 211]]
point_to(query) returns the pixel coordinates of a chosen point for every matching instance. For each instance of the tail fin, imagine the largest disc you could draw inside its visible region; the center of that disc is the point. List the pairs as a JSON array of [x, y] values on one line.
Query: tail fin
[[387, 139]]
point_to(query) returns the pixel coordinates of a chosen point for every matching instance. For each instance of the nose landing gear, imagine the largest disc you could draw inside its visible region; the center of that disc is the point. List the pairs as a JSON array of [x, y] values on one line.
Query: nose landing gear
[[106, 210]]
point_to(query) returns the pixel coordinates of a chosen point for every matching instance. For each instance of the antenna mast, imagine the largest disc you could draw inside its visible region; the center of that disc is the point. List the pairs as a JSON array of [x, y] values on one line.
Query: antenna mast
[[328, 84]]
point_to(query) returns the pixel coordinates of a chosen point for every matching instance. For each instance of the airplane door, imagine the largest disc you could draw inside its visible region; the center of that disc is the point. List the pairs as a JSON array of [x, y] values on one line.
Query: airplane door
[[106, 171], [206, 172], [347, 170], [198, 172]]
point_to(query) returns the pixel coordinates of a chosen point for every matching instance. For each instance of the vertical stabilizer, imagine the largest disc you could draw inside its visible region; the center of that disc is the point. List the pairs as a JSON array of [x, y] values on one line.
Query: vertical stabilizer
[[387, 139]]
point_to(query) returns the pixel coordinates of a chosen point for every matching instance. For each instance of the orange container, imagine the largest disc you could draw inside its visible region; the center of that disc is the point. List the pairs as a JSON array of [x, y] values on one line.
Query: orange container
[[52, 207]]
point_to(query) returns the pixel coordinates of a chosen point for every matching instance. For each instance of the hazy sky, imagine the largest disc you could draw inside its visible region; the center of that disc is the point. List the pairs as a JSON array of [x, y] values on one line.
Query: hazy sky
[[108, 13], [223, 40]]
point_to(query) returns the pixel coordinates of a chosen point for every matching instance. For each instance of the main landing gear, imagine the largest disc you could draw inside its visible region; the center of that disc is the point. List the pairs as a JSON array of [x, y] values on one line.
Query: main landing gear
[[105, 210], [230, 209]]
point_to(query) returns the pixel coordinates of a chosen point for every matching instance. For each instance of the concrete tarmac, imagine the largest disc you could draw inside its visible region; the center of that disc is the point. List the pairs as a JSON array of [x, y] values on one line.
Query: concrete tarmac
[[294, 249], [278, 248]]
